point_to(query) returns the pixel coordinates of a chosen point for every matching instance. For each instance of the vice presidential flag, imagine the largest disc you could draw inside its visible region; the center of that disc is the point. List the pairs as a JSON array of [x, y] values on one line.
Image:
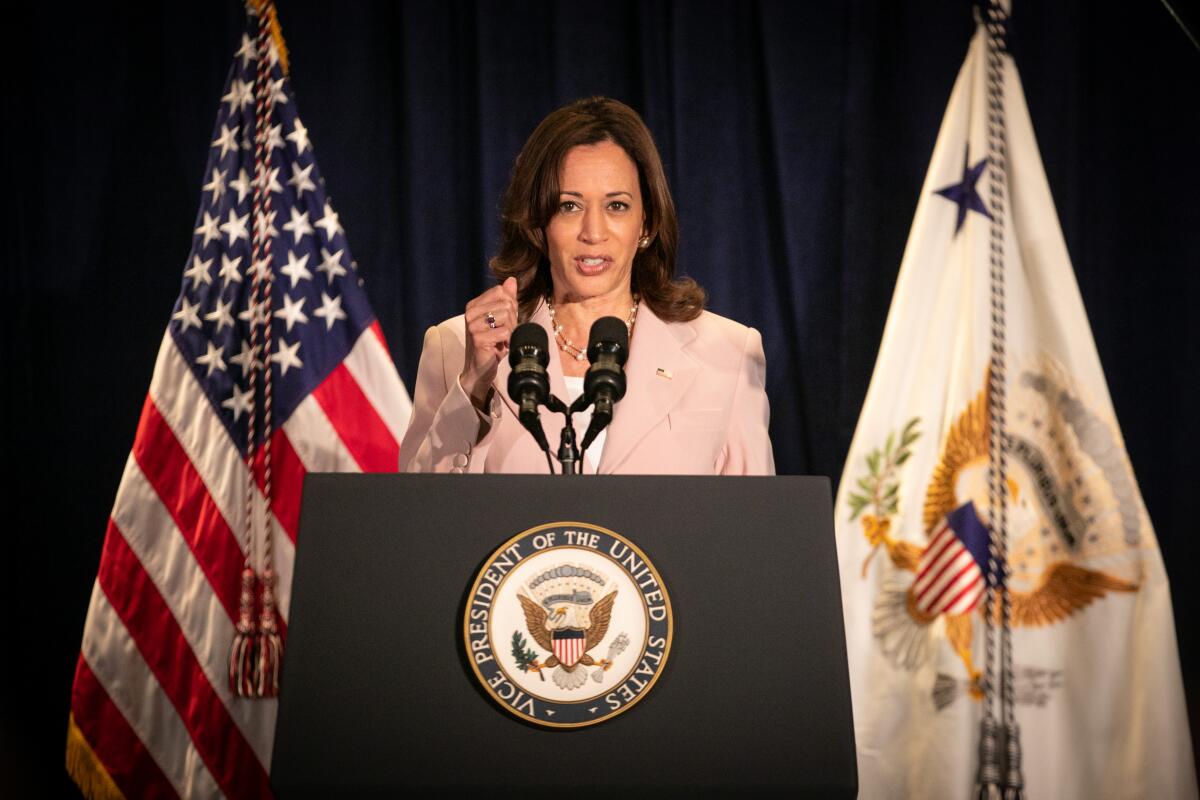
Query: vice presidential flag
[[152, 714], [1098, 692]]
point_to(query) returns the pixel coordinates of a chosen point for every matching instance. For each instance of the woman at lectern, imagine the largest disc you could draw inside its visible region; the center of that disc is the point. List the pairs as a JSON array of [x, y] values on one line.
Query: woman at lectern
[[589, 231]]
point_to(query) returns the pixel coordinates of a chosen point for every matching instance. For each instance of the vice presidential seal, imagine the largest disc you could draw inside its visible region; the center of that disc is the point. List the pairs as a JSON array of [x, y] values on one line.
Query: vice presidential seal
[[567, 624]]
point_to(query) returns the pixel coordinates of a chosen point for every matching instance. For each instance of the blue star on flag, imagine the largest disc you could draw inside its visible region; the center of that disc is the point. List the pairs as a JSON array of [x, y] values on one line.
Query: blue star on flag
[[964, 194]]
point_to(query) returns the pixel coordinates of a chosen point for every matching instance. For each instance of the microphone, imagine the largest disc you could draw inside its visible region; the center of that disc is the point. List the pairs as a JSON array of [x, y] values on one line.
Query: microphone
[[604, 383], [529, 383]]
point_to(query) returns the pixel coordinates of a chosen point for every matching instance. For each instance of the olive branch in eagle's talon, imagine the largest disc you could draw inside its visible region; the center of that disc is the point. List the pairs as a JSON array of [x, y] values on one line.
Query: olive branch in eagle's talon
[[879, 491], [527, 660]]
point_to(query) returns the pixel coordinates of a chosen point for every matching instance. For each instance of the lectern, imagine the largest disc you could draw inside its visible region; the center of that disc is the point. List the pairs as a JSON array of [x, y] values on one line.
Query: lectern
[[378, 694]]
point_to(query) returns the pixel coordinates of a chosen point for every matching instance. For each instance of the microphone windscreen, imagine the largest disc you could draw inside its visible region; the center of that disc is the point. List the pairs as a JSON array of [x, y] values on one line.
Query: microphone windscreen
[[529, 339], [609, 331]]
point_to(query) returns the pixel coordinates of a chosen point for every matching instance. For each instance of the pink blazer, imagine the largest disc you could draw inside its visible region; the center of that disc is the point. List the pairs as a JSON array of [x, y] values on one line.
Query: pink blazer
[[695, 404]]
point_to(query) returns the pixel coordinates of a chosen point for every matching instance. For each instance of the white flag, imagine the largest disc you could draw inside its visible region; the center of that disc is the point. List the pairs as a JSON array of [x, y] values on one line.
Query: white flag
[[1099, 698]]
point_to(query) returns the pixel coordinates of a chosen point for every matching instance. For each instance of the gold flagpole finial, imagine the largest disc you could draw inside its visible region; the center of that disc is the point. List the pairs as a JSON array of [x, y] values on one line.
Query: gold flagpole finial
[[267, 7]]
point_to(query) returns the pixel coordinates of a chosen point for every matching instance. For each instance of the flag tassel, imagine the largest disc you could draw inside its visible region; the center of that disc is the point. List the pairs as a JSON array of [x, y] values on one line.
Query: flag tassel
[[987, 783], [989, 792], [257, 650], [242, 659], [270, 645], [1014, 783]]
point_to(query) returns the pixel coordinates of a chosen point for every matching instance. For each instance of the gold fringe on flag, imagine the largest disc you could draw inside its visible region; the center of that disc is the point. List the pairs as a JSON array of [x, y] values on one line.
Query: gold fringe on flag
[[276, 30], [85, 768]]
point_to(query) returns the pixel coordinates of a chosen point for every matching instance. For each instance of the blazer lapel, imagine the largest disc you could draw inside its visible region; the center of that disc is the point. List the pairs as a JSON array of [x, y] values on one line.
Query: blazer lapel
[[658, 373]]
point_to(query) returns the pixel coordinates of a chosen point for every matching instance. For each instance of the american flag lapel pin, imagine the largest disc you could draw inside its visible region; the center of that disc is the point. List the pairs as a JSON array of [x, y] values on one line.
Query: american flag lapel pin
[[663, 373]]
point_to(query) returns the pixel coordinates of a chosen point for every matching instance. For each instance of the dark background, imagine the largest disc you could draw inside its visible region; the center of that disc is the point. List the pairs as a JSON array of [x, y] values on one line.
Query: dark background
[[795, 136]]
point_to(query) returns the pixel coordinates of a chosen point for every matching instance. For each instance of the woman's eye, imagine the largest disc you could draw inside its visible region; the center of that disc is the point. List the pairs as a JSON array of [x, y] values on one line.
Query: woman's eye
[[568, 205], [618, 205]]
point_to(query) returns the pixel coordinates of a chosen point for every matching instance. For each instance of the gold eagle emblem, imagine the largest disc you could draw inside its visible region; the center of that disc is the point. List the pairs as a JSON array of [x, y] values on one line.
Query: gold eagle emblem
[[536, 619], [566, 621], [1060, 590]]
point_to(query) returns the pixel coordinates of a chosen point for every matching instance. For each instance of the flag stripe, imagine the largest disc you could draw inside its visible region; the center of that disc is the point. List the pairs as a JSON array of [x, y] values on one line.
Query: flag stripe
[[315, 441], [162, 550], [287, 479], [964, 601], [950, 577], [118, 665], [948, 565], [953, 588], [371, 365], [939, 549], [187, 411], [377, 330], [150, 623], [946, 575], [357, 423], [180, 488], [113, 741], [176, 482]]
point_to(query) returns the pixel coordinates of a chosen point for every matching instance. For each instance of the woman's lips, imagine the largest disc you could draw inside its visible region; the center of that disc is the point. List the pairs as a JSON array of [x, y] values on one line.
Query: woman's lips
[[592, 265]]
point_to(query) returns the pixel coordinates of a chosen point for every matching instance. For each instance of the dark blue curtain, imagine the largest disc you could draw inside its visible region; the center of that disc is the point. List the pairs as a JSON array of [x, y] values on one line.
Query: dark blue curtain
[[795, 135]]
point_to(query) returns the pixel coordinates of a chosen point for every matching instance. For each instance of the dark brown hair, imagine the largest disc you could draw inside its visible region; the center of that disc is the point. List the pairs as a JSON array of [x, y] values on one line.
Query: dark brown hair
[[532, 198]]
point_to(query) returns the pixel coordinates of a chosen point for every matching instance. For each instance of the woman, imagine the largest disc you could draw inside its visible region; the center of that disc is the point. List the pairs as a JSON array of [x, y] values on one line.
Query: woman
[[589, 231]]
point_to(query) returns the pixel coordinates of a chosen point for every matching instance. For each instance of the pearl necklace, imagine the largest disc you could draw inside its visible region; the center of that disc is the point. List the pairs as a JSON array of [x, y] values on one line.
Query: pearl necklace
[[569, 347]]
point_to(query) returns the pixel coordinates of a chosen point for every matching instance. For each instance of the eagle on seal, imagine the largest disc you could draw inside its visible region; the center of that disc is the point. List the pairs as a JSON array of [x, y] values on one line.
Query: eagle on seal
[[564, 630]]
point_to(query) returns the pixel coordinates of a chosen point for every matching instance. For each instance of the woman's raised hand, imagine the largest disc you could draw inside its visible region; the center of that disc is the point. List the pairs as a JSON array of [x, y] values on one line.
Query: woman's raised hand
[[490, 318]]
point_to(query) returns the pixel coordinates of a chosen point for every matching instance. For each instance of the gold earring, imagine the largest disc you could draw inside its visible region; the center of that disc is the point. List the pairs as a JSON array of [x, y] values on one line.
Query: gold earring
[[644, 242]]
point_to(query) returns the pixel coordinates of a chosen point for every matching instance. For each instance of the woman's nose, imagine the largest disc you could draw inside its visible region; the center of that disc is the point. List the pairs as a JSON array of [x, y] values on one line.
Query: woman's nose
[[592, 230]]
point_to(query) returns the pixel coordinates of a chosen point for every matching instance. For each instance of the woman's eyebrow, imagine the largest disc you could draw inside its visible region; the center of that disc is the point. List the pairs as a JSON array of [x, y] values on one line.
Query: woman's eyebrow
[[610, 194]]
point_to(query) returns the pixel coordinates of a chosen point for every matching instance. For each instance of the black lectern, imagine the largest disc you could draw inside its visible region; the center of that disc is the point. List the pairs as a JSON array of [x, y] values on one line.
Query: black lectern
[[378, 695]]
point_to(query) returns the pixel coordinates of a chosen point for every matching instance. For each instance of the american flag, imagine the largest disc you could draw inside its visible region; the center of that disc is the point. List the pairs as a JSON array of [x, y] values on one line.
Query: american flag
[[152, 713], [950, 577]]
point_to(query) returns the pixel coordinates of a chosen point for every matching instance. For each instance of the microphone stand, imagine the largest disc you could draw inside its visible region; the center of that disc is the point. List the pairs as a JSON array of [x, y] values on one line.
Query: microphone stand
[[568, 450], [569, 454]]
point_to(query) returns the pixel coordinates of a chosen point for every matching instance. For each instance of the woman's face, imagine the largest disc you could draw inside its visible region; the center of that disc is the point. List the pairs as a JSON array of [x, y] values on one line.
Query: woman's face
[[592, 238]]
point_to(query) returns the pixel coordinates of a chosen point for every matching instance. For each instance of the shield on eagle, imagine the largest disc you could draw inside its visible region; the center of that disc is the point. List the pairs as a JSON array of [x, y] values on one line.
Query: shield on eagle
[[569, 646]]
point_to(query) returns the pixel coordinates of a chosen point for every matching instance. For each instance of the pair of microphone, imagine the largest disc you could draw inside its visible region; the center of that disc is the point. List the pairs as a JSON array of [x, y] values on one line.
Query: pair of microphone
[[603, 385]]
